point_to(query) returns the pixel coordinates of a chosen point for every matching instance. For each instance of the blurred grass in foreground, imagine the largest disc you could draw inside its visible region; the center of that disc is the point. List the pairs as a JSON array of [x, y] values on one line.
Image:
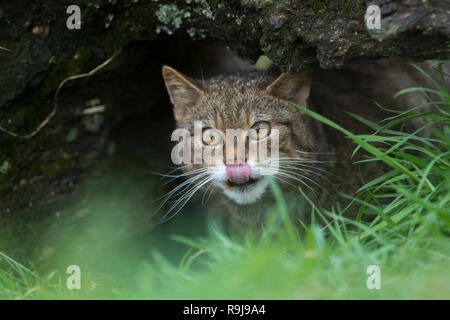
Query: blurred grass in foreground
[[186, 259]]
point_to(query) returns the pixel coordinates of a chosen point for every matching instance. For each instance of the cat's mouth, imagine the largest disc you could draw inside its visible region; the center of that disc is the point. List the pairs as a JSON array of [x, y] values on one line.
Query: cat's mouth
[[245, 192], [234, 185]]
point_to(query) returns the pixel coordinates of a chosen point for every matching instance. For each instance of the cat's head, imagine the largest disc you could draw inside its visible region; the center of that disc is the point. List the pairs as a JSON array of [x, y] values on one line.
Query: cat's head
[[260, 107]]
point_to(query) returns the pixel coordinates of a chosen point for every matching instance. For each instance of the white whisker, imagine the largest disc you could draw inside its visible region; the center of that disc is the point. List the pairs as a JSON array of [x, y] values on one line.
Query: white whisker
[[295, 164], [184, 199], [306, 170], [302, 176], [296, 179], [295, 187], [175, 191], [174, 177], [307, 152], [206, 191], [306, 160]]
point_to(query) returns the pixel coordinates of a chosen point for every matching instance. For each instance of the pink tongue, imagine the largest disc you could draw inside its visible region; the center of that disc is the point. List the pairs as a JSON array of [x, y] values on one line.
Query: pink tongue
[[238, 173]]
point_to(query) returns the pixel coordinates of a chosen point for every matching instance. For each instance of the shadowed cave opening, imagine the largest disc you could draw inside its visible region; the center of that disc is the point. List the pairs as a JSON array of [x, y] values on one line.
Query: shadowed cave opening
[[107, 204]]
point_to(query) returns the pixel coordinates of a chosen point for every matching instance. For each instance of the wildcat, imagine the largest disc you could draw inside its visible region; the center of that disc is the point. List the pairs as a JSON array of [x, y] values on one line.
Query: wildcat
[[314, 157]]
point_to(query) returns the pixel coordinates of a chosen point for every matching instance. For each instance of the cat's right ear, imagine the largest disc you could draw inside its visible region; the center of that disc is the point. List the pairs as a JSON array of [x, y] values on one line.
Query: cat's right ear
[[294, 87], [183, 92]]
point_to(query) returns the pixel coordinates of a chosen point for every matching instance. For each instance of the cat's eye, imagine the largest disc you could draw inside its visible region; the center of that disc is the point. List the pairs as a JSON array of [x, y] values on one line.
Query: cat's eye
[[259, 130], [211, 137]]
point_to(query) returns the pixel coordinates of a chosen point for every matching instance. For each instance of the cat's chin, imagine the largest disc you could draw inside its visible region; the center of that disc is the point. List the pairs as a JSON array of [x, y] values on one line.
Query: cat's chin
[[245, 193]]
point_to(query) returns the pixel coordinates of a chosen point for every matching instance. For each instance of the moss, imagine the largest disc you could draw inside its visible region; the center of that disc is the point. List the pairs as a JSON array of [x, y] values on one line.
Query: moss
[[46, 157], [173, 16], [108, 20], [80, 63], [4, 167], [196, 33], [347, 7], [72, 135], [93, 123], [318, 7]]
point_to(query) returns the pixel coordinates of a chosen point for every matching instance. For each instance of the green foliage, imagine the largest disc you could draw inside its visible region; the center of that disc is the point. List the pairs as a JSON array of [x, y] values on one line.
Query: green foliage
[[408, 239], [419, 180]]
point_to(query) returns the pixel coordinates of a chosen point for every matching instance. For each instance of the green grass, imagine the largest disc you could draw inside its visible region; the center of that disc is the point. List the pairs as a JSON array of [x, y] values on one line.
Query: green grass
[[408, 239]]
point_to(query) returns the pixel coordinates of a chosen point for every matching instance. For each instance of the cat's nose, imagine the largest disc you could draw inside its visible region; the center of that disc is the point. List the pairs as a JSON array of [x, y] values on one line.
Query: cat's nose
[[238, 173]]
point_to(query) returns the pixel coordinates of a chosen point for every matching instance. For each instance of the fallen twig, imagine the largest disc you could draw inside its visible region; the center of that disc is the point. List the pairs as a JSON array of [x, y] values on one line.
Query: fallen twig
[[55, 105]]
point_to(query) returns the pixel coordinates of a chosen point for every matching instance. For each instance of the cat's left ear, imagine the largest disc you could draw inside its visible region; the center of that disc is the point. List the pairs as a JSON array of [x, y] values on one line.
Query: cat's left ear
[[294, 87]]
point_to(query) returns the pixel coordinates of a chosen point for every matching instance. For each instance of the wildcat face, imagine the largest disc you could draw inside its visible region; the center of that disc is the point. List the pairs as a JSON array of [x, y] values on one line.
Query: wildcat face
[[258, 106]]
